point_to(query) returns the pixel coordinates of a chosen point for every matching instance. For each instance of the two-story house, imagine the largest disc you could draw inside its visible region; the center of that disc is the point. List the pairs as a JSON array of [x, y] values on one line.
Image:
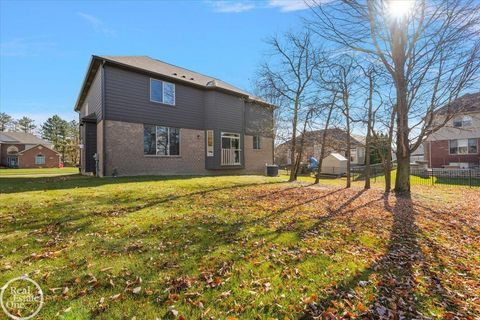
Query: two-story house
[[142, 116], [457, 143]]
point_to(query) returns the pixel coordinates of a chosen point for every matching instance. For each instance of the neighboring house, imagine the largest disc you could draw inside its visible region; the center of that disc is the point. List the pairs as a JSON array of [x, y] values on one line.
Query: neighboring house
[[144, 116], [24, 150], [336, 141], [418, 154], [457, 144]]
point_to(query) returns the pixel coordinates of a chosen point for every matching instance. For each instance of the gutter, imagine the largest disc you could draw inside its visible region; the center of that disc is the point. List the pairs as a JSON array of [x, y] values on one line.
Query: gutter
[[103, 117]]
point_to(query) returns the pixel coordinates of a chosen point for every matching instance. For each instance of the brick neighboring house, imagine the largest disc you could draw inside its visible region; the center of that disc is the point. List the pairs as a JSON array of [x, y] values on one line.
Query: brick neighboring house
[[25, 150], [143, 116], [457, 144], [335, 142]]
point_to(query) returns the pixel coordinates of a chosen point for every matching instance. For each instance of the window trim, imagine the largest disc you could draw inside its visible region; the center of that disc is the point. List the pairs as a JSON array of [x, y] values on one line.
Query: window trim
[[163, 92], [258, 145], [179, 155], [468, 147], [210, 149], [39, 155]]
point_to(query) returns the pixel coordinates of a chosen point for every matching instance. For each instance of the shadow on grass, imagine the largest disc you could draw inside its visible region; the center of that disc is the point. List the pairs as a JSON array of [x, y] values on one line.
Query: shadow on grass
[[397, 284], [75, 181]]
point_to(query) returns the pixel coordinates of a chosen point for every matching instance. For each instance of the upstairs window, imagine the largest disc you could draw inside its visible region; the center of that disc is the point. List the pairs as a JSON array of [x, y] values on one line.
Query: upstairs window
[[465, 121], [256, 143], [161, 141], [162, 92], [39, 159]]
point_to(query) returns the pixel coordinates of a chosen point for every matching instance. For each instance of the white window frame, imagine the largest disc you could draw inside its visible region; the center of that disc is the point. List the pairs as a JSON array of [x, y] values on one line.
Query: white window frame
[[210, 148], [163, 92], [236, 136], [462, 145], [39, 155]]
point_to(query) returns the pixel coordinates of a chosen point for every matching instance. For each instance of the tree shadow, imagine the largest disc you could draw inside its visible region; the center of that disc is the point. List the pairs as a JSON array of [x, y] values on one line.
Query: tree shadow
[[395, 289]]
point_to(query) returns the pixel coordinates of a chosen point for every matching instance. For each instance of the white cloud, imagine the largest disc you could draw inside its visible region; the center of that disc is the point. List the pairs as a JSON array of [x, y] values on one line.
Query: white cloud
[[288, 5], [232, 6], [97, 24], [23, 47]]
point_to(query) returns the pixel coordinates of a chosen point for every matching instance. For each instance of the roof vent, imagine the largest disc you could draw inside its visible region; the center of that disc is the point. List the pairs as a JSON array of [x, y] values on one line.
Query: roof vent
[[211, 83], [175, 74], [183, 77], [192, 79]]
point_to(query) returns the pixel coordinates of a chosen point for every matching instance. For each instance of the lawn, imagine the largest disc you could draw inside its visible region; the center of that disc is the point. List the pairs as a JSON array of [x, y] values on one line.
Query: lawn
[[38, 172], [239, 247]]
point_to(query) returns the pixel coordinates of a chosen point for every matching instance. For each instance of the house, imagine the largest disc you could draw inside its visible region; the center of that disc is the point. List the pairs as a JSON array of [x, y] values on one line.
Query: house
[[25, 150], [336, 141], [457, 143], [141, 116]]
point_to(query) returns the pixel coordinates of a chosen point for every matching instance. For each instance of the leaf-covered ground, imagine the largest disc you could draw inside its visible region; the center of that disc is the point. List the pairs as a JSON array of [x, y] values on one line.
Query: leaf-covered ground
[[240, 248]]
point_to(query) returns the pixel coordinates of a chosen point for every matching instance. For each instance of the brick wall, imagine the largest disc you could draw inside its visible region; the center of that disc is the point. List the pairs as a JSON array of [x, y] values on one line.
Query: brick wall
[[27, 158], [3, 152], [440, 154], [255, 160], [124, 152]]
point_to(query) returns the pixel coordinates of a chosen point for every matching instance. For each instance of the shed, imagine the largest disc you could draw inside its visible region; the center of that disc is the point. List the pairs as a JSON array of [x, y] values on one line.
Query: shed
[[334, 163]]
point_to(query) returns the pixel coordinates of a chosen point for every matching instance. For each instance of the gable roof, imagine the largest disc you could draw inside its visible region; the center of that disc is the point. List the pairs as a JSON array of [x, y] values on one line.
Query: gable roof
[[467, 103], [21, 138], [337, 156], [164, 69], [45, 146]]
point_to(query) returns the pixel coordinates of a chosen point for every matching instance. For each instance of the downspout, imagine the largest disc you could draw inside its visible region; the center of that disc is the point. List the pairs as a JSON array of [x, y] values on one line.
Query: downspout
[[103, 118]]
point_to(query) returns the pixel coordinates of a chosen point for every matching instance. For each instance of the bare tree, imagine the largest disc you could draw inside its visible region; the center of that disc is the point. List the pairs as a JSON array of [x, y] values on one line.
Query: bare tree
[[289, 74], [329, 113], [430, 50]]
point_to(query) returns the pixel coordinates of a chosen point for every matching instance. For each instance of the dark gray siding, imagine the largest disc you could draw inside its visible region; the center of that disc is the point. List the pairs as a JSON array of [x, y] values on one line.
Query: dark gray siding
[[94, 98], [258, 120], [224, 111], [127, 98]]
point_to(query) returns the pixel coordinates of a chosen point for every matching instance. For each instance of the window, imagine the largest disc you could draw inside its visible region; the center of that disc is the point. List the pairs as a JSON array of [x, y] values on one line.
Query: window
[[256, 142], [230, 149], [162, 92], [39, 159], [210, 143], [465, 121], [463, 146], [162, 141], [472, 145], [12, 150]]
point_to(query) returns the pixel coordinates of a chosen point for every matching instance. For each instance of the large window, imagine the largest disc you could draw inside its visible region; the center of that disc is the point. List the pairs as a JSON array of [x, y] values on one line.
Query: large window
[[210, 147], [161, 141], [230, 149], [39, 159], [463, 146], [162, 92], [256, 143]]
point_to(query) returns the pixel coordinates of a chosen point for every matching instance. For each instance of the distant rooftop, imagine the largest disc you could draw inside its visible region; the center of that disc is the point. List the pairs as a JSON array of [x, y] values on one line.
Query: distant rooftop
[[469, 102], [21, 138]]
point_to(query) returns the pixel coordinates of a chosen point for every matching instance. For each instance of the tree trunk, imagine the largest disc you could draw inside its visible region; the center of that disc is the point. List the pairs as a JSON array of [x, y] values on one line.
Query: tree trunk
[[293, 175], [324, 140], [369, 130], [402, 181]]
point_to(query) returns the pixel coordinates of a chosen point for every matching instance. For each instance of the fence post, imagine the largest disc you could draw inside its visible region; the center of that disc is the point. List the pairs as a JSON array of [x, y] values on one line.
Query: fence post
[[431, 176], [470, 178]]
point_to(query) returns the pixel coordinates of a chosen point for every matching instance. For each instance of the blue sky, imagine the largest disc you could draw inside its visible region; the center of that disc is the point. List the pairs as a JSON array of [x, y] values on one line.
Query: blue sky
[[45, 46]]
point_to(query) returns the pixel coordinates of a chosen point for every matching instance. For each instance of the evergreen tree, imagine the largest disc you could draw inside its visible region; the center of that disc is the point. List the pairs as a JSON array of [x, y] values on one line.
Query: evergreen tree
[[26, 124], [5, 121], [55, 130]]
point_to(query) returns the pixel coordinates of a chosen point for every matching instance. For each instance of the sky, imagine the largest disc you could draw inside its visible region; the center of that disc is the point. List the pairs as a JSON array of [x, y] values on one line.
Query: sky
[[45, 46]]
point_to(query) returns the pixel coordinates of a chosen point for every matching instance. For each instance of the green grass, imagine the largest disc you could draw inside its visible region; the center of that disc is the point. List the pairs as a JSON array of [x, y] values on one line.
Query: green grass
[[38, 172], [235, 246]]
